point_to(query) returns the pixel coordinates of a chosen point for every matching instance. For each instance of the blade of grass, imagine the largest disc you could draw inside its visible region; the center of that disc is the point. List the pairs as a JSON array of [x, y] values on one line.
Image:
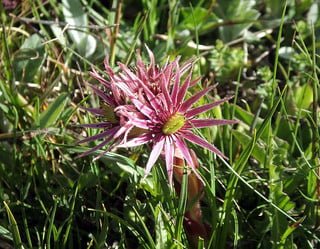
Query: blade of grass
[[51, 224], [14, 227], [145, 229], [276, 224], [182, 205], [233, 181]]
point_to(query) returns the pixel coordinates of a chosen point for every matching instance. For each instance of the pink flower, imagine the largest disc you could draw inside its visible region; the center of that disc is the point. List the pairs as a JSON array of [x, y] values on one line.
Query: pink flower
[[115, 126], [163, 113], [149, 105]]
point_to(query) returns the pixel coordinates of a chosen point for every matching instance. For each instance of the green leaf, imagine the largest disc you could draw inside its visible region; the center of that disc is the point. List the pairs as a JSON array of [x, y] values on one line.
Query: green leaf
[[290, 229], [74, 15], [50, 116], [205, 21], [162, 235], [258, 150], [240, 12], [303, 96], [28, 59]]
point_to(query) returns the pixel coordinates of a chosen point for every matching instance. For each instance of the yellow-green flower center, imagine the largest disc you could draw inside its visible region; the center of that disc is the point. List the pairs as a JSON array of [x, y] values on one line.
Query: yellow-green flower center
[[174, 123]]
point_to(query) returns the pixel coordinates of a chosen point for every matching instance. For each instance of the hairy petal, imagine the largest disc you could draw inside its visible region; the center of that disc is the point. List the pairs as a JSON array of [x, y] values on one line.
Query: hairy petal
[[189, 102], [103, 96], [98, 77], [154, 155], [195, 111], [169, 152], [96, 111], [175, 89], [97, 147], [152, 60], [203, 143], [99, 136], [183, 89], [143, 108], [185, 151], [200, 123], [142, 139]]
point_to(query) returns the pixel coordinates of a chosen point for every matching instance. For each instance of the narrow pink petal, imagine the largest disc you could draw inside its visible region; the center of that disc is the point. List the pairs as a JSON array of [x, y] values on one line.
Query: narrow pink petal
[[185, 151], [195, 111], [187, 156], [189, 102], [169, 152], [96, 125], [124, 87], [151, 97], [152, 60], [121, 131], [99, 136], [200, 123], [156, 150], [142, 139], [98, 77], [175, 89], [109, 100], [203, 143], [167, 72], [183, 89], [117, 95], [107, 67], [143, 108], [97, 147], [95, 111], [187, 65], [195, 81], [164, 88], [143, 124]]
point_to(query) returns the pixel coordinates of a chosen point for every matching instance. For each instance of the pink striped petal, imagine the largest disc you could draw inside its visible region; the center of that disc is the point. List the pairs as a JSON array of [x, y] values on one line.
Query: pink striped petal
[[187, 65], [152, 61], [107, 67], [143, 108], [154, 155], [124, 87], [151, 97], [98, 77], [185, 151], [169, 152], [96, 125], [195, 111], [191, 161], [143, 124], [167, 74], [142, 139], [175, 89], [203, 143], [97, 147], [95, 111], [109, 100], [201, 123], [183, 90], [195, 81], [99, 136], [189, 102], [167, 98]]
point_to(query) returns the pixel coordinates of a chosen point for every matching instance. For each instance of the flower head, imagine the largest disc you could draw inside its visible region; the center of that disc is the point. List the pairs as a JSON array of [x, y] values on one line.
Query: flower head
[[153, 100]]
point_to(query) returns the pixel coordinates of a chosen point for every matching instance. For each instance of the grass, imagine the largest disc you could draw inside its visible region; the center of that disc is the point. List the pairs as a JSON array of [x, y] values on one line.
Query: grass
[[261, 52]]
